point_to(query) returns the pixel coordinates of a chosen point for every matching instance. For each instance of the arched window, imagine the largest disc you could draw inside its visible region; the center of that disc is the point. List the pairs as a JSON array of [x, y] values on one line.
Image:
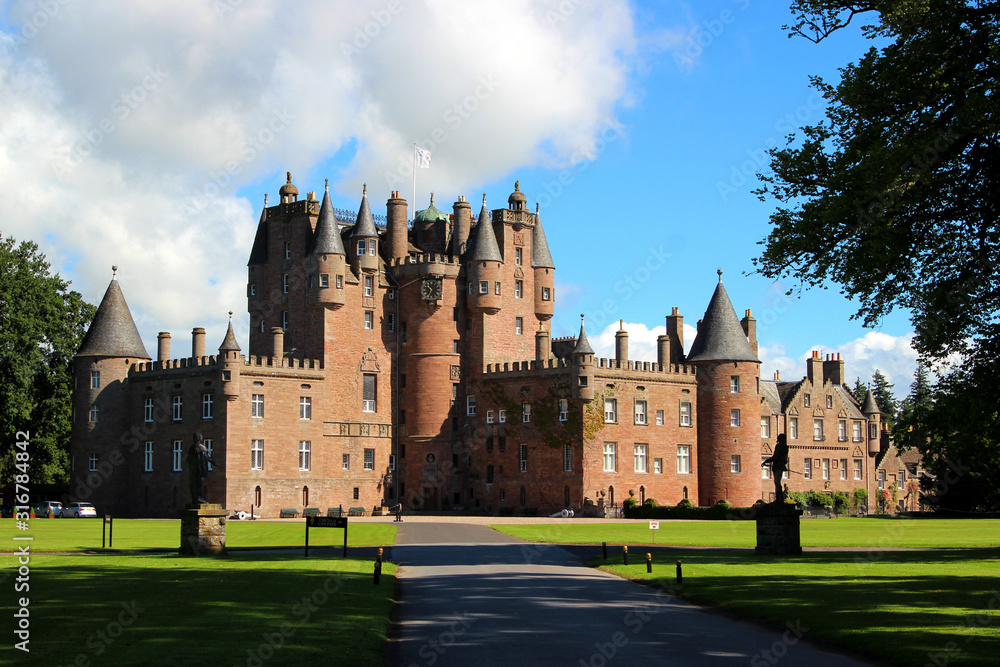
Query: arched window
[[256, 496], [685, 493], [566, 497], [523, 497], [642, 495], [611, 496], [305, 496]]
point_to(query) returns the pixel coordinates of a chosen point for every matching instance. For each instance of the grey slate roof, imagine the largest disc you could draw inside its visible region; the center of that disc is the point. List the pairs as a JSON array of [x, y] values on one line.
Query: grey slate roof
[[541, 258], [870, 407], [769, 392], [786, 390], [847, 398], [365, 225], [113, 333], [720, 336], [258, 254], [485, 248], [229, 342], [582, 344], [326, 239]]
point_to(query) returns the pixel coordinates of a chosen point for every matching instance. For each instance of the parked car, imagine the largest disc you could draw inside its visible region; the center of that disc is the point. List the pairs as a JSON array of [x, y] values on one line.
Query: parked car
[[6, 511], [79, 510], [43, 509]]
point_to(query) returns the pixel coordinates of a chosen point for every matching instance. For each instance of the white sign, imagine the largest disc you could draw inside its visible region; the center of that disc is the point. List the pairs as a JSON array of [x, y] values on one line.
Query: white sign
[[654, 525]]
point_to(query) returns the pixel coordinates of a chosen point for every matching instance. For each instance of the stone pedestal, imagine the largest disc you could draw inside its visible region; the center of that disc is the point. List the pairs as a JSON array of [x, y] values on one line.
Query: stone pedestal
[[203, 530], [778, 530]]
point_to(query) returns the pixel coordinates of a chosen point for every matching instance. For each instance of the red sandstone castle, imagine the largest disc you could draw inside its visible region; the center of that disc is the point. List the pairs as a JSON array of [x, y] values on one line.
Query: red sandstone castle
[[413, 363]]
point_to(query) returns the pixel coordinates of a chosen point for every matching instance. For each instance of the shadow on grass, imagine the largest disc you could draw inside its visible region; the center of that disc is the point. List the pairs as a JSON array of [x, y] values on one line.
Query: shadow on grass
[[170, 610]]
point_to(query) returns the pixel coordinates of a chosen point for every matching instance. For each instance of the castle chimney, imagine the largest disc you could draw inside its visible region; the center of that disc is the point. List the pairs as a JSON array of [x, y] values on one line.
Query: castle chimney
[[396, 219], [777, 376], [621, 344], [163, 346], [463, 226], [198, 342], [278, 345], [750, 329], [814, 369], [543, 348], [833, 369], [663, 348], [675, 330]]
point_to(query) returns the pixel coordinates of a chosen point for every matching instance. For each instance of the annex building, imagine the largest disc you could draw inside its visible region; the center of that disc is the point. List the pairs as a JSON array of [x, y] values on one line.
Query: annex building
[[396, 361]]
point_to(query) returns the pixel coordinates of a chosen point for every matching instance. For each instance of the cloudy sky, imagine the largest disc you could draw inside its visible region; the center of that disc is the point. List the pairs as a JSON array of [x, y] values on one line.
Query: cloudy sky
[[145, 134]]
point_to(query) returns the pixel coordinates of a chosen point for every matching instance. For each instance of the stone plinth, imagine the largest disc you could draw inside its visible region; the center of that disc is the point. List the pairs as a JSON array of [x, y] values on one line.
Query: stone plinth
[[778, 530], [203, 530]]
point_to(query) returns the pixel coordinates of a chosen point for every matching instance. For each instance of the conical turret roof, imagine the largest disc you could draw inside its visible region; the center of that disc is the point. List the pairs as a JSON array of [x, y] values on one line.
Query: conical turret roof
[[870, 407], [485, 248], [365, 225], [326, 239], [720, 335], [113, 333], [582, 344], [541, 258], [229, 342], [258, 254]]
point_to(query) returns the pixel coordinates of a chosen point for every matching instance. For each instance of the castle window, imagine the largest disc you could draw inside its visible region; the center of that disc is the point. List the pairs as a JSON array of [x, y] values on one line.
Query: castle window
[[658, 466], [518, 256], [207, 406], [93, 414], [95, 379], [856, 431], [284, 283], [402, 380], [765, 471], [257, 406], [818, 429], [361, 248], [390, 322], [873, 430], [502, 416], [371, 248], [734, 417], [346, 462], [829, 401], [734, 463], [881, 479], [583, 380], [496, 288], [765, 427], [857, 468], [262, 326], [526, 413], [610, 456], [92, 463], [178, 454], [842, 430], [610, 411], [659, 417], [567, 457], [368, 393], [489, 474], [208, 446], [256, 496], [340, 282], [807, 468], [288, 250], [502, 445], [391, 294], [484, 287], [253, 289], [257, 455], [806, 400], [522, 457], [640, 412], [369, 459], [843, 468], [489, 443], [284, 320], [684, 459], [454, 346], [305, 454], [177, 407], [518, 289], [392, 462], [369, 285], [369, 319], [305, 407], [825, 468], [734, 384], [489, 416], [518, 325], [563, 409], [793, 428], [640, 458], [324, 280], [147, 410], [470, 288], [356, 493], [546, 294], [470, 406], [147, 457], [685, 413]]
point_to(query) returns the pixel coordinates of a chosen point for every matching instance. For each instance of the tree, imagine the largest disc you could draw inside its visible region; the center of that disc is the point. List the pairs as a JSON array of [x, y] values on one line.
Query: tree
[[893, 196], [860, 391], [42, 324], [914, 408], [884, 398]]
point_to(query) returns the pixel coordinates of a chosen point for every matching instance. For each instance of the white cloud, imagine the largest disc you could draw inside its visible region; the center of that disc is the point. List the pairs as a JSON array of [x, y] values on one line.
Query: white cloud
[[641, 340], [126, 129]]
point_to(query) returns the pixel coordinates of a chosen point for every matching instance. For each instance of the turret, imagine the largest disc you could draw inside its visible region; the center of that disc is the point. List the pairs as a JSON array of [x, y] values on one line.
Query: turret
[[364, 239], [582, 366], [431, 228], [398, 231], [256, 271], [229, 356], [463, 226], [874, 415], [541, 262], [484, 266], [326, 248]]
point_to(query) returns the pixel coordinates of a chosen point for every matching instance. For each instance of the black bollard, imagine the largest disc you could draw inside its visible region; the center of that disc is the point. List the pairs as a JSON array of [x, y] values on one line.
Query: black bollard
[[649, 563], [604, 546], [625, 554], [680, 576]]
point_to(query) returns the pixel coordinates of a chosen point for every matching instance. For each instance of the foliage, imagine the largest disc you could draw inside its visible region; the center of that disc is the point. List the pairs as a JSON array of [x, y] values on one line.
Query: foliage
[[42, 323], [650, 502], [859, 498], [685, 504], [841, 502], [721, 510], [884, 398], [629, 504], [860, 391]]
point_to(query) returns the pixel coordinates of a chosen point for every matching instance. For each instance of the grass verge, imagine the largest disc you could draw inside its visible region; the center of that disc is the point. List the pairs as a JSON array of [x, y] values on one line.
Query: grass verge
[[905, 607], [245, 609]]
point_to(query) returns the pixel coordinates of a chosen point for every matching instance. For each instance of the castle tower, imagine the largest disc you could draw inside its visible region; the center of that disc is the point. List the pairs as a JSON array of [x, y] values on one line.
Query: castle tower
[[462, 212], [364, 239], [874, 415], [432, 229], [326, 249], [484, 266], [544, 268], [101, 401], [229, 357], [582, 365], [728, 406], [398, 230]]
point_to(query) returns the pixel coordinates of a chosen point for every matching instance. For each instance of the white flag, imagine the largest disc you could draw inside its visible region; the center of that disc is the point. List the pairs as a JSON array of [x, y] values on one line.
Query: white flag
[[423, 157]]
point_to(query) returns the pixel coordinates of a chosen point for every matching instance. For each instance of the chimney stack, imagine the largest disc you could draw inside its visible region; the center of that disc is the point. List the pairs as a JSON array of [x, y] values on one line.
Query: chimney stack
[[163, 346], [278, 345], [198, 342], [814, 369], [621, 345]]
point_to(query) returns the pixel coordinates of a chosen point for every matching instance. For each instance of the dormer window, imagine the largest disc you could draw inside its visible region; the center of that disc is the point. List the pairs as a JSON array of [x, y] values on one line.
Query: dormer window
[[361, 248]]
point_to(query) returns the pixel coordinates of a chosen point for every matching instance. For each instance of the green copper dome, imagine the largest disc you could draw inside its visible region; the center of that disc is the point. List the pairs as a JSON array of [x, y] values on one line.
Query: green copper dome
[[431, 214]]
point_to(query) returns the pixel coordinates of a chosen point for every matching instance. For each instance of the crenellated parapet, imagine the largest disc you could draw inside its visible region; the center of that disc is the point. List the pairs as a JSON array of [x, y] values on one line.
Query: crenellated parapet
[[639, 369], [182, 364]]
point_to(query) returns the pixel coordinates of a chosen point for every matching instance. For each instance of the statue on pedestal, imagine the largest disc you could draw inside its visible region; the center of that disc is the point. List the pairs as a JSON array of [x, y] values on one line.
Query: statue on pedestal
[[778, 462], [198, 458]]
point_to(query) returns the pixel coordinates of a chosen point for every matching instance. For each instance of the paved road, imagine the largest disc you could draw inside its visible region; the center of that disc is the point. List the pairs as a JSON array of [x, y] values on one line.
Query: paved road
[[471, 596]]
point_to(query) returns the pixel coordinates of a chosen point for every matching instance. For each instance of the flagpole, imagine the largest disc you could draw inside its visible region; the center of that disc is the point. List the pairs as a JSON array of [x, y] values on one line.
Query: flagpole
[[413, 202]]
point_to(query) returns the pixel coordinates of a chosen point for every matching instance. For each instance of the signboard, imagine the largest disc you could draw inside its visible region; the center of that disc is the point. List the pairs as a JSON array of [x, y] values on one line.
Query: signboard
[[327, 521], [654, 525]]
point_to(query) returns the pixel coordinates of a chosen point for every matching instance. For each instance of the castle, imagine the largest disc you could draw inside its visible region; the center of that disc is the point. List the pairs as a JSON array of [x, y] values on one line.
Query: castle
[[392, 362]]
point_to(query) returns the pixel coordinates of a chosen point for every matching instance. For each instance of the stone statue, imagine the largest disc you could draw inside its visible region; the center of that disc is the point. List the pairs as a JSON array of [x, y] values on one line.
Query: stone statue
[[778, 461], [198, 458]]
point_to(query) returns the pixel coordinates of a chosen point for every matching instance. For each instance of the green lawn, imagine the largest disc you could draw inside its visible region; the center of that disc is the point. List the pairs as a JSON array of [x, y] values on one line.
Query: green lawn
[[908, 608], [139, 534], [164, 609], [871, 533]]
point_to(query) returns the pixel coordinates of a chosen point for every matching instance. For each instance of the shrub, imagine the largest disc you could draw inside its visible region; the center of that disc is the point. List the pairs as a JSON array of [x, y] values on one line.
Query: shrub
[[650, 502], [840, 502], [629, 503], [685, 504]]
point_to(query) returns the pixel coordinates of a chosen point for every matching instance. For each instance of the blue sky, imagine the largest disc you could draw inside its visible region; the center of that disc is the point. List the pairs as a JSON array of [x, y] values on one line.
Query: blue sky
[[147, 138]]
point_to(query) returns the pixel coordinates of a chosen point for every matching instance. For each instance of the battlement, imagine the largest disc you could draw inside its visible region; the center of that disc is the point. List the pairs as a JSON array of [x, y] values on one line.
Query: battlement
[[644, 367], [311, 207], [528, 366], [184, 363], [555, 364], [258, 361], [514, 216], [426, 258]]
